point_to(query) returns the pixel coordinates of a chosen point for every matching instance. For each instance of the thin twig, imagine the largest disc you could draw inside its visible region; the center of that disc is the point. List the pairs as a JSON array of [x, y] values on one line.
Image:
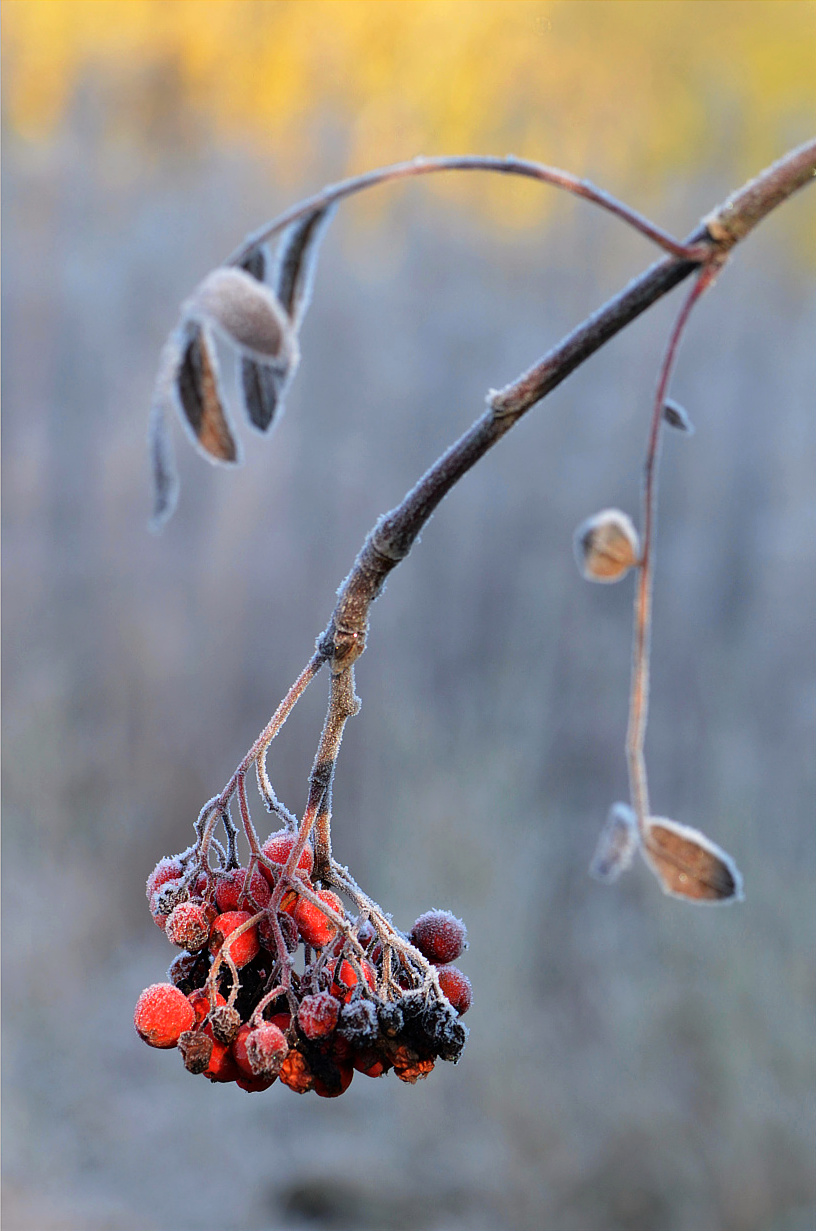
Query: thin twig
[[639, 693], [509, 165]]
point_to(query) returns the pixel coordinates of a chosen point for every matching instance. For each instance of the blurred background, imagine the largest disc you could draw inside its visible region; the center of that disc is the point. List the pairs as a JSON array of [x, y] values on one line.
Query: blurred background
[[634, 1064]]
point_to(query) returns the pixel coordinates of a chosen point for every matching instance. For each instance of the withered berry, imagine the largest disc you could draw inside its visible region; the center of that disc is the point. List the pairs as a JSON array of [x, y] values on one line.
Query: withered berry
[[439, 936], [196, 1050], [162, 1014], [225, 1023], [168, 868]]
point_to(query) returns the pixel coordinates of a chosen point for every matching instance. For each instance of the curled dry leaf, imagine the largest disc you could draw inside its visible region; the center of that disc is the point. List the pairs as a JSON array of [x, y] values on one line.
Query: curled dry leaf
[[676, 416], [198, 387], [688, 864], [606, 546], [263, 385], [296, 260], [617, 844]]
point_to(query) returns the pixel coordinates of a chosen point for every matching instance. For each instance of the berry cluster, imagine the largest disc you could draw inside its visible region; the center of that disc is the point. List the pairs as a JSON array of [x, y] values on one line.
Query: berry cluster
[[276, 980]]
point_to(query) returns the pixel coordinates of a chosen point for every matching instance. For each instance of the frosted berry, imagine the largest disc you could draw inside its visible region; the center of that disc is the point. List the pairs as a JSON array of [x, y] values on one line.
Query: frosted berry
[[222, 1066], [277, 849], [312, 924], [245, 947], [439, 936], [168, 868], [189, 971], [317, 1015], [266, 1049], [188, 927], [230, 886], [225, 1023], [457, 988], [162, 1014]]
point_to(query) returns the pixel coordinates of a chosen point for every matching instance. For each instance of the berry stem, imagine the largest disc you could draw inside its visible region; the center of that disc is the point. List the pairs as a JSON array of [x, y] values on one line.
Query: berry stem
[[639, 693], [468, 162]]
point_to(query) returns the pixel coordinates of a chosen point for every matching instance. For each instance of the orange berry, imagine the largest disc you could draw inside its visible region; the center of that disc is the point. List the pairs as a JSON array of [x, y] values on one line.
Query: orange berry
[[344, 978], [312, 924], [245, 947], [295, 1072], [200, 1001], [162, 1014]]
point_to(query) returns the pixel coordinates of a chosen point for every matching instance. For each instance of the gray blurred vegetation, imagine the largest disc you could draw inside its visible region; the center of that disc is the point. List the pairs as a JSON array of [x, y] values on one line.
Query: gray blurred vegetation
[[634, 1064]]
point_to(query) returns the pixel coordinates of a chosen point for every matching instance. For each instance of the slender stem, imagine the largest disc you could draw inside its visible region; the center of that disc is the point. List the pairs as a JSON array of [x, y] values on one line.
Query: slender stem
[[465, 162], [639, 695]]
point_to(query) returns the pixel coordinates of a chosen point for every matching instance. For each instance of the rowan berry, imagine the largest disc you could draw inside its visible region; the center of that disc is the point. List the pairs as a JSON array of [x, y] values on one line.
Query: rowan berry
[[230, 886], [196, 1049], [254, 1085], [245, 947], [333, 1081], [312, 924], [200, 1001], [239, 1049], [366, 933], [165, 899], [162, 1014], [266, 1049], [344, 978], [358, 1023], [189, 971], [408, 1066], [369, 1062], [225, 1023], [439, 936], [277, 849], [457, 988], [168, 868], [188, 927], [222, 1066], [296, 1073], [317, 1015]]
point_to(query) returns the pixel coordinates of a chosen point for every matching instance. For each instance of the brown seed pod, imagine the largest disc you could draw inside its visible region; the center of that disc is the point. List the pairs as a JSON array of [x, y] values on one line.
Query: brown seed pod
[[606, 546]]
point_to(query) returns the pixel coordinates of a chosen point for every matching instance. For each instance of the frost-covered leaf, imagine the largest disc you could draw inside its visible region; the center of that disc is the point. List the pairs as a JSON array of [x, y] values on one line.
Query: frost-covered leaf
[[198, 388], [688, 864], [162, 467], [262, 385], [606, 546], [295, 262], [617, 844], [675, 415]]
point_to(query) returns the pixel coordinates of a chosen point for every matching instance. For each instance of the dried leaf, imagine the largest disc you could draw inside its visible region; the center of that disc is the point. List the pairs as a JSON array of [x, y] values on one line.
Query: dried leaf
[[199, 394], [246, 312], [617, 844], [162, 466], [263, 385], [295, 262], [606, 546], [675, 415], [688, 864]]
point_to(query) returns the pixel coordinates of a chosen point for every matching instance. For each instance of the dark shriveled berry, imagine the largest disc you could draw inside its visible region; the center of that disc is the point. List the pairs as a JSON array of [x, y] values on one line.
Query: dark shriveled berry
[[358, 1023], [391, 1019], [196, 1050], [189, 971], [225, 1023]]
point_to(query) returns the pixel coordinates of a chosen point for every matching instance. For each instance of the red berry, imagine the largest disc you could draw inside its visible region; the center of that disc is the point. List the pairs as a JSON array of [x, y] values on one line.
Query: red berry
[[457, 988], [266, 1049], [188, 927], [245, 947], [317, 1015], [167, 869], [162, 1014], [230, 886], [370, 1062], [277, 849], [439, 936], [312, 924], [222, 1066], [255, 1085], [344, 978], [200, 1001], [337, 1084]]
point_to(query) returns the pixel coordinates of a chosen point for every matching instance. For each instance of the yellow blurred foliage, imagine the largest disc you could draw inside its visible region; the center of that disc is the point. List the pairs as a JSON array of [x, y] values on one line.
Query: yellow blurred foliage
[[628, 90]]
